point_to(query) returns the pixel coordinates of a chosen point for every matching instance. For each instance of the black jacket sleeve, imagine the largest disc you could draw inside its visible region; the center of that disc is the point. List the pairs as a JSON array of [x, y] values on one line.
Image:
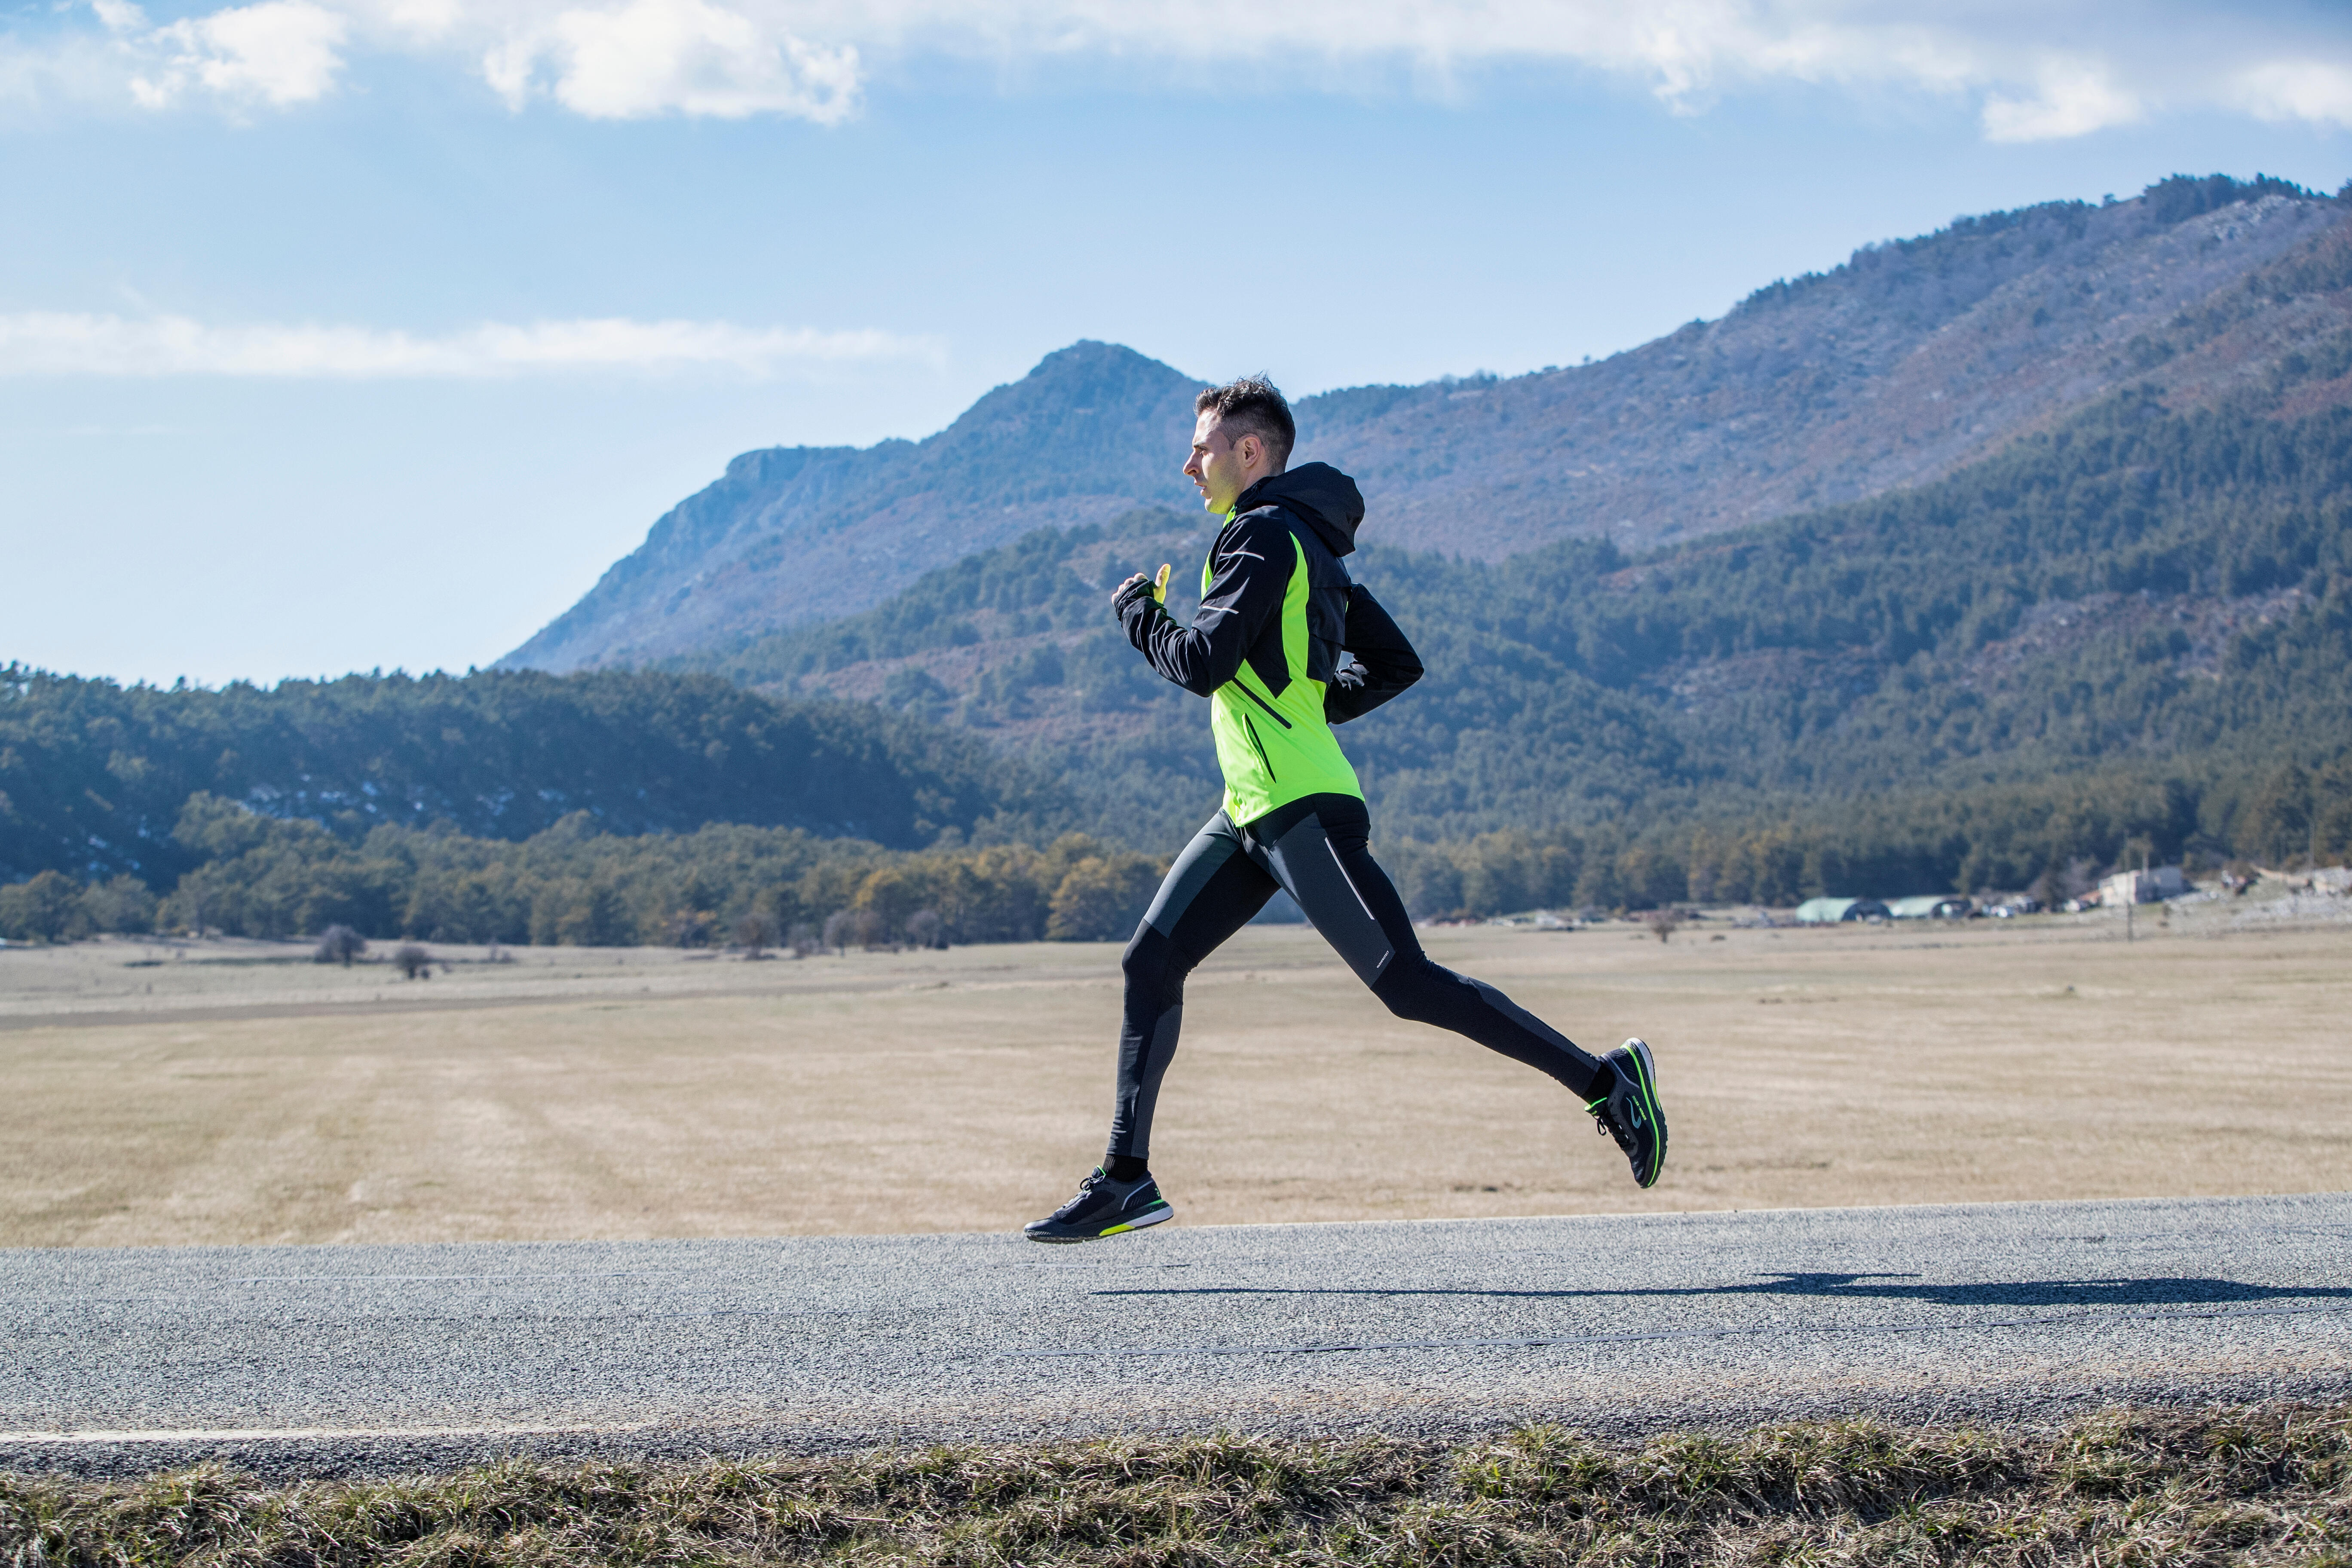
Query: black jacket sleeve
[[1255, 559], [1381, 665]]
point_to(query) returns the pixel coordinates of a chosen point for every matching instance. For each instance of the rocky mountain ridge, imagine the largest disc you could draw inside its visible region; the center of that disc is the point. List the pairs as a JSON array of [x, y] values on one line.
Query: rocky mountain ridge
[[1911, 360]]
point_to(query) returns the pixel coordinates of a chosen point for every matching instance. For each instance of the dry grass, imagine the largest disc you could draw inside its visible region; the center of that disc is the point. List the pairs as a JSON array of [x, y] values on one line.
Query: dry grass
[[587, 1094], [2263, 1485]]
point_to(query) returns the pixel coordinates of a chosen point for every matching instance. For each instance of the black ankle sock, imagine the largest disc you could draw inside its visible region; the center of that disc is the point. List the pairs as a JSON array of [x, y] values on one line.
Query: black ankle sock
[[1126, 1167]]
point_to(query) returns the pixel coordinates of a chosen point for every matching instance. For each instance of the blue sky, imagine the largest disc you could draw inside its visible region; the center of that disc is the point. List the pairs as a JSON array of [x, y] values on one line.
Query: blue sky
[[345, 333]]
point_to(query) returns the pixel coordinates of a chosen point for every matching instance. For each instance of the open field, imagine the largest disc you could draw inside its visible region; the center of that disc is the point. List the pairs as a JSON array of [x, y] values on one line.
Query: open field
[[166, 1096]]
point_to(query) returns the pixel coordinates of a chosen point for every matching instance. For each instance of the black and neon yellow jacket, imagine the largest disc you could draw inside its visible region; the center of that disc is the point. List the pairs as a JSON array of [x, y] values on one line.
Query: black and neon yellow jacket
[[1284, 646]]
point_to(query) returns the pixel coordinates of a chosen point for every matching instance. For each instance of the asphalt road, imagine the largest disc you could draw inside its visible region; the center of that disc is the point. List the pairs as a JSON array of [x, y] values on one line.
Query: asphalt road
[[342, 1360]]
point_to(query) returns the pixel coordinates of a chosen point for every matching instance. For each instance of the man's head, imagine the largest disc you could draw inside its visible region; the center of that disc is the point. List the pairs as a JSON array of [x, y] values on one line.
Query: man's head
[[1243, 432]]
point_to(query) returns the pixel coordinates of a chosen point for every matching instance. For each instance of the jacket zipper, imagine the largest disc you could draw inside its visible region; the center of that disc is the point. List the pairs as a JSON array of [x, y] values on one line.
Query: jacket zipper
[[1259, 747], [1261, 702]]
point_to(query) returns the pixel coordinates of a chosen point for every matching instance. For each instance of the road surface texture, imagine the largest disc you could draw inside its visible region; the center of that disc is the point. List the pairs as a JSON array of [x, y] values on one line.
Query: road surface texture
[[348, 1359]]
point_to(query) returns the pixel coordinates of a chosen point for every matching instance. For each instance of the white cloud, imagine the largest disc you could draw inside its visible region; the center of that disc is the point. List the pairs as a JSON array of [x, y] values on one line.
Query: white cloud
[[61, 344], [80, 69], [688, 56], [2035, 69], [2315, 91], [120, 16], [280, 52], [2071, 99]]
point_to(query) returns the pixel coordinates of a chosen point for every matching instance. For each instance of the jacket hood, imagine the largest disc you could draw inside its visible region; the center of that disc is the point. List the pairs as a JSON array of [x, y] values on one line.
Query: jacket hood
[[1321, 495]]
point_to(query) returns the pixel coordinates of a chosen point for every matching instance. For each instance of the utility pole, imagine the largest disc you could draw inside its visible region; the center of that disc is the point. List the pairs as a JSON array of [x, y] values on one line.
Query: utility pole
[[2131, 901]]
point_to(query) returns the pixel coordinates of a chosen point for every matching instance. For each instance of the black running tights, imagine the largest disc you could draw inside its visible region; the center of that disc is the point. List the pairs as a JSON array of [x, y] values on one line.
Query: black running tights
[[1316, 850]]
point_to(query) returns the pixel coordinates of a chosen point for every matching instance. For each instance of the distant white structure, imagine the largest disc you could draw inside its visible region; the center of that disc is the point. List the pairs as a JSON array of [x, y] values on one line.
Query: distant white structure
[[1830, 912], [2142, 887], [1931, 907]]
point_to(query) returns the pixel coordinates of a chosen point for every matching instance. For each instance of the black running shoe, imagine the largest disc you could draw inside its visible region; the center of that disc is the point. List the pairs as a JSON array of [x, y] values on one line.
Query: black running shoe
[[1103, 1207], [1630, 1113]]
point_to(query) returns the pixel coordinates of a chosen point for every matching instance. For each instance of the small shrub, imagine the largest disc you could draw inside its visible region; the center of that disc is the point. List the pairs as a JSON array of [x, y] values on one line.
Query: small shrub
[[753, 932], [844, 929], [925, 929], [339, 944], [414, 961]]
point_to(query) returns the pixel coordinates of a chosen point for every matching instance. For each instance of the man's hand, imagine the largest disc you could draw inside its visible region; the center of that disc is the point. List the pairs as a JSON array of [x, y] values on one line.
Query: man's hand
[[1129, 589]]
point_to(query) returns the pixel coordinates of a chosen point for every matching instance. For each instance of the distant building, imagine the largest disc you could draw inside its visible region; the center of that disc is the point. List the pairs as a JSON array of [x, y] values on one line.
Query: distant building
[[1930, 907], [1830, 912], [2142, 887]]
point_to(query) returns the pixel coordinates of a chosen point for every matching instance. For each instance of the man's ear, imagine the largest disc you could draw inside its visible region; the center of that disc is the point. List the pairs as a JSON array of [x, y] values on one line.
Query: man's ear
[[1249, 450]]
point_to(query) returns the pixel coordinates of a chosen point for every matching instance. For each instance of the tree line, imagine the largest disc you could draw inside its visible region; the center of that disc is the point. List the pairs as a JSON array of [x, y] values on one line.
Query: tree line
[[94, 775], [2052, 838], [576, 884]]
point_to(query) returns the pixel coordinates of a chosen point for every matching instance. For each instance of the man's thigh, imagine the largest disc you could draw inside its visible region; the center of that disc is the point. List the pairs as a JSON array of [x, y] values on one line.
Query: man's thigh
[[1339, 898], [1211, 892]]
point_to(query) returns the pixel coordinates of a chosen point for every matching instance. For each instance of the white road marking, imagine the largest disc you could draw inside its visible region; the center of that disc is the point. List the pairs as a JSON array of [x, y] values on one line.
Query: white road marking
[[266, 1433]]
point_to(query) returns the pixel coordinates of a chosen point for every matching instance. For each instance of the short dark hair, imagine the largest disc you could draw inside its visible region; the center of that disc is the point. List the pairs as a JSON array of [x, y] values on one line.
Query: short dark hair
[[1252, 405]]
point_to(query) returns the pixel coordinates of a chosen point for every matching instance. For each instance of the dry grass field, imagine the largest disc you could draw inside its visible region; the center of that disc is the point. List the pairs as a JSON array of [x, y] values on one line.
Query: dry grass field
[[229, 1092]]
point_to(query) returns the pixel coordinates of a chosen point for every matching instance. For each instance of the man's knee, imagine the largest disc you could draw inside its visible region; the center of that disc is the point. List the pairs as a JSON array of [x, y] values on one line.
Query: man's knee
[[1416, 991], [1152, 965]]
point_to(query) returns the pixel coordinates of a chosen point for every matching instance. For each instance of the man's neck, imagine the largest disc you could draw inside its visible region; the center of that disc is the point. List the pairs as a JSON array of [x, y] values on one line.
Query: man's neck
[[1242, 494]]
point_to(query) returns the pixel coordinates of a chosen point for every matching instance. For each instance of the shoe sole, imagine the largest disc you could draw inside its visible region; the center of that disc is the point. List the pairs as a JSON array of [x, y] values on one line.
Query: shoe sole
[[1645, 1078], [1159, 1215]]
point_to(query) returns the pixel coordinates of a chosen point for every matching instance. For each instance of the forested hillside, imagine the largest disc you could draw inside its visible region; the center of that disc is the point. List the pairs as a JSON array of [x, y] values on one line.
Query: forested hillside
[[2146, 613], [94, 777], [1913, 358]]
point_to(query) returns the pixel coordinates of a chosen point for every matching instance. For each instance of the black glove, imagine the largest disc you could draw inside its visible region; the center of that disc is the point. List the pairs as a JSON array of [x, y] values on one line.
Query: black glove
[[1138, 588]]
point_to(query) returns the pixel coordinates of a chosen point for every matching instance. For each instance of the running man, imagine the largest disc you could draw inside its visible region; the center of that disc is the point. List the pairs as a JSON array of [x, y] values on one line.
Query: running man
[[1284, 647]]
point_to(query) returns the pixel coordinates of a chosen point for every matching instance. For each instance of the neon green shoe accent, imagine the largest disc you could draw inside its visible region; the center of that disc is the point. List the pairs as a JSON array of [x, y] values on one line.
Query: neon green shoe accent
[[1162, 1208]]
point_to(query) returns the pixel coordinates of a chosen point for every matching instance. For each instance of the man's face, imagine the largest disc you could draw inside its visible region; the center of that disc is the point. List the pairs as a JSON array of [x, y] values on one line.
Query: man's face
[[1219, 468]]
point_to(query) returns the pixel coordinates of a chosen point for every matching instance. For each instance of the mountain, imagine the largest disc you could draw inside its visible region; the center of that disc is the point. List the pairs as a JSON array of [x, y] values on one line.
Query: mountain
[[2146, 592], [1910, 360], [1913, 359], [797, 533]]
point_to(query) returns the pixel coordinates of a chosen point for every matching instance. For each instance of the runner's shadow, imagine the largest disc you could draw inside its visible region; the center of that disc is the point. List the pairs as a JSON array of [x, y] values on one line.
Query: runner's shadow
[[2170, 1291], [2175, 1291]]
